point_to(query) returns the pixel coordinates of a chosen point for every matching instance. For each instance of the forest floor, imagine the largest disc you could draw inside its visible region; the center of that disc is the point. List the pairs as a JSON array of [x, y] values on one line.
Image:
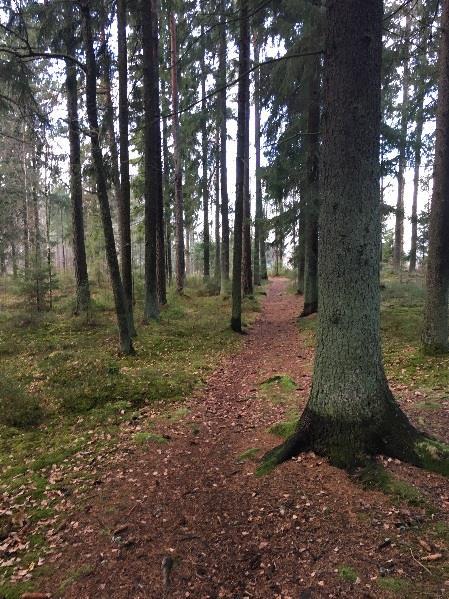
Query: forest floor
[[175, 508]]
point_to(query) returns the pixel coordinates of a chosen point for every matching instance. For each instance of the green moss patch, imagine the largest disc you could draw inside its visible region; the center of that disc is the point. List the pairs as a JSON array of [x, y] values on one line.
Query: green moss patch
[[398, 586], [279, 389], [375, 476], [347, 573], [249, 454], [144, 437]]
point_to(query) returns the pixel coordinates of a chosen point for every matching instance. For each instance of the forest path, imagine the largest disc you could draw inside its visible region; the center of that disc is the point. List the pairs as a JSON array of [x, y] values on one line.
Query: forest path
[[195, 504]]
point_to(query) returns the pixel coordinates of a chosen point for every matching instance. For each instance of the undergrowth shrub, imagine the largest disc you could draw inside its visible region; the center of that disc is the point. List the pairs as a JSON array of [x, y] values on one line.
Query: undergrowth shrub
[[18, 408]]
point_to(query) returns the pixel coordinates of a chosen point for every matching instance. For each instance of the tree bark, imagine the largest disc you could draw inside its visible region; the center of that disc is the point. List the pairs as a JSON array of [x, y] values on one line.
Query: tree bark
[[153, 174], [179, 200], [435, 333], [217, 261], [351, 412], [312, 77], [124, 197], [205, 185], [26, 232], [82, 298], [257, 134], [247, 275], [300, 253], [398, 247], [161, 278], [243, 93], [416, 173], [222, 51], [121, 310], [167, 192]]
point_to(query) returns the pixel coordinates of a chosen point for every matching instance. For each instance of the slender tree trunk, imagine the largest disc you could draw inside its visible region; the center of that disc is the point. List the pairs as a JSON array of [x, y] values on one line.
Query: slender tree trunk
[[398, 247], [217, 261], [14, 260], [263, 250], [313, 86], [257, 134], [300, 253], [351, 412], [36, 234], [25, 233], [247, 275], [82, 299], [435, 333], [222, 52], [167, 194], [160, 230], [243, 93], [153, 175], [205, 185], [64, 265], [179, 200], [124, 196], [121, 309], [416, 173]]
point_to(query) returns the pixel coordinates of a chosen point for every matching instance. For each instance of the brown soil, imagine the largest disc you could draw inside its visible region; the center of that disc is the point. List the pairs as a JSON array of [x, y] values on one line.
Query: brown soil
[[191, 503]]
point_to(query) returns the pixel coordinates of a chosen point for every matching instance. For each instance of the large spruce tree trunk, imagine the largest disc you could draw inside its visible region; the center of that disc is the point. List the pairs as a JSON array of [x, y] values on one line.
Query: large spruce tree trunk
[[242, 98], [311, 211], [204, 183], [153, 174], [222, 51], [121, 309], [257, 134], [435, 333], [416, 173], [351, 412], [179, 200], [398, 246], [124, 206]]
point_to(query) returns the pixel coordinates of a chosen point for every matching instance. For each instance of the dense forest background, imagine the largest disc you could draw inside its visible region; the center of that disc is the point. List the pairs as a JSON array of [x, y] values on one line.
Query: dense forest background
[[168, 171]]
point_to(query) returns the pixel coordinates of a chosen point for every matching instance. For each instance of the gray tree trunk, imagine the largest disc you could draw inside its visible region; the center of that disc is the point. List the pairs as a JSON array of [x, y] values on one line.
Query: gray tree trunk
[[121, 308], [257, 134], [153, 174], [416, 173], [243, 93], [435, 333], [312, 78], [124, 197], [179, 200], [350, 413], [223, 155], [398, 247]]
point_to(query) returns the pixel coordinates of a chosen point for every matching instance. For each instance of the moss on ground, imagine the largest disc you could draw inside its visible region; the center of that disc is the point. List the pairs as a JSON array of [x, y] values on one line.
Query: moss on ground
[[248, 455], [279, 389], [347, 573], [375, 476], [397, 586], [84, 390], [144, 437]]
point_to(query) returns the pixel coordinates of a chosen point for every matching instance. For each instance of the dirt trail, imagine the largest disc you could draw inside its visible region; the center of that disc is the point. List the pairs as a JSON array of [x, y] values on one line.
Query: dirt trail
[[225, 532]]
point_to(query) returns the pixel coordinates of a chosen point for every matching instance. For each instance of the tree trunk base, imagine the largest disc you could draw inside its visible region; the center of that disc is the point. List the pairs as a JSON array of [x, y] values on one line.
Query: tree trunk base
[[349, 445], [236, 325], [308, 309]]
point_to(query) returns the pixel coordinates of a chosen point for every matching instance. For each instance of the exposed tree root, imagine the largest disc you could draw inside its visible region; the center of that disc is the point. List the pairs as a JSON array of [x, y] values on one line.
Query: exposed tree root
[[348, 446]]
